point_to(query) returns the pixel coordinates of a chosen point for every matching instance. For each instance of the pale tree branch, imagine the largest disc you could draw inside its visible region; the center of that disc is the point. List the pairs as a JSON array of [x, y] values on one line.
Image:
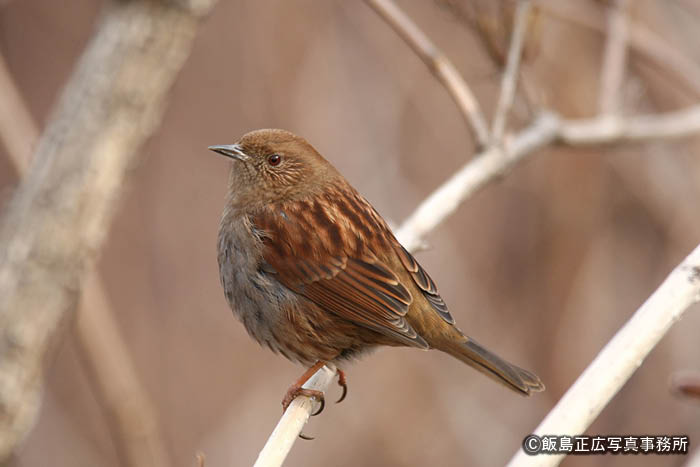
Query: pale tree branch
[[494, 162], [619, 358], [59, 215], [603, 129], [613, 70], [640, 39], [510, 74], [18, 132], [441, 67], [293, 420], [686, 385], [131, 416], [694, 459]]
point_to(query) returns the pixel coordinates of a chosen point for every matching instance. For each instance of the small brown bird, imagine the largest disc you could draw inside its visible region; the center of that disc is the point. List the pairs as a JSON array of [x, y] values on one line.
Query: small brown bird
[[315, 273]]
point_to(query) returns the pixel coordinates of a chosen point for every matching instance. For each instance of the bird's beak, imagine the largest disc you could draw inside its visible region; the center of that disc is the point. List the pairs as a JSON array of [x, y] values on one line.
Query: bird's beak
[[233, 151]]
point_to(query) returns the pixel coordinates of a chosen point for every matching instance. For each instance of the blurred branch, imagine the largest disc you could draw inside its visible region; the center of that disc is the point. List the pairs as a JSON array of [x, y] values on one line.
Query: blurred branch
[[617, 361], [604, 129], [292, 422], [510, 75], [441, 67], [687, 385], [694, 460], [482, 169], [641, 39], [18, 132], [613, 70], [60, 213], [131, 416], [548, 128]]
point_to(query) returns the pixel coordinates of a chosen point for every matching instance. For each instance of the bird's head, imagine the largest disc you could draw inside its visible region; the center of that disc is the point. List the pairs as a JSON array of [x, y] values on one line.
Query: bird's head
[[271, 166]]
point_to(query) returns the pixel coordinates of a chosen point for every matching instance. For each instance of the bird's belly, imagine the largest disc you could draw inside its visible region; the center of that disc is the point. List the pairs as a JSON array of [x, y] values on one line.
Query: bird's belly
[[288, 323]]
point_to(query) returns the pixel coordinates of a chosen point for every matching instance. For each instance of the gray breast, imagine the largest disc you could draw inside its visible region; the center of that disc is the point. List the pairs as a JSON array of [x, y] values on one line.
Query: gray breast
[[252, 291]]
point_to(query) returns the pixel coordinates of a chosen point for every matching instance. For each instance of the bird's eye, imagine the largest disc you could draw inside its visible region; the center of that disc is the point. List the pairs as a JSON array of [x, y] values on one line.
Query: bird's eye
[[274, 159]]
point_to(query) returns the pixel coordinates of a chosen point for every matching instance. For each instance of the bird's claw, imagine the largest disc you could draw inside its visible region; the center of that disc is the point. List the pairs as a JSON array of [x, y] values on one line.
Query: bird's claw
[[343, 383], [295, 391]]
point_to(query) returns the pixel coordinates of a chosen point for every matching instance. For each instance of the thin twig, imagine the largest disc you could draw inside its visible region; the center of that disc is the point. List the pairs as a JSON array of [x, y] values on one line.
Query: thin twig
[[687, 385], [619, 359], [132, 417], [614, 62], [510, 75], [441, 67], [495, 161], [599, 130], [694, 459], [641, 39], [292, 422], [481, 170]]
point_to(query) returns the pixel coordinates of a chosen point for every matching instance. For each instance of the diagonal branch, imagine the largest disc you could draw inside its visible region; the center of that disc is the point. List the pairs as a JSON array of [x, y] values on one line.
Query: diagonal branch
[[613, 70], [640, 39], [18, 132], [293, 420], [131, 415], [619, 359], [59, 215], [548, 128], [510, 75], [441, 67]]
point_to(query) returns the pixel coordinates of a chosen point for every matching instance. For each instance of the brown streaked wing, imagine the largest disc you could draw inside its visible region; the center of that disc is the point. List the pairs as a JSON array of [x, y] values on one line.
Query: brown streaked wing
[[424, 282], [359, 289]]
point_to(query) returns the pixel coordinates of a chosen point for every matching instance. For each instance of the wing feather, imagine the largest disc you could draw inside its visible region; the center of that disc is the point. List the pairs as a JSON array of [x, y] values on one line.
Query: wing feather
[[425, 283], [353, 285]]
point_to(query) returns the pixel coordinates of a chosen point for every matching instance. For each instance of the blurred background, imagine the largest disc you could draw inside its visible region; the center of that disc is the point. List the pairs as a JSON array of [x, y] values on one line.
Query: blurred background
[[542, 267]]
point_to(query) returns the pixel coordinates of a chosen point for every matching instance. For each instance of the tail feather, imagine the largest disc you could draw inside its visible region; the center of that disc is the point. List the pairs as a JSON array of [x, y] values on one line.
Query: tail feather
[[515, 378]]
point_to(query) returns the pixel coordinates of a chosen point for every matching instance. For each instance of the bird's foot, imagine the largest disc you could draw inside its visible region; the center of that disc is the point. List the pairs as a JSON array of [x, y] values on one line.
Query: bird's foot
[[295, 391]]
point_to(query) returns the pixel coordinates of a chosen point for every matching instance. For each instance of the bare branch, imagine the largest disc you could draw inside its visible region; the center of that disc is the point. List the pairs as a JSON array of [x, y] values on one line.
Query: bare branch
[[614, 62], [677, 124], [687, 385], [641, 39], [441, 67], [495, 161], [510, 75], [60, 212], [694, 459], [619, 358], [131, 416], [17, 129], [292, 422], [130, 413], [481, 170]]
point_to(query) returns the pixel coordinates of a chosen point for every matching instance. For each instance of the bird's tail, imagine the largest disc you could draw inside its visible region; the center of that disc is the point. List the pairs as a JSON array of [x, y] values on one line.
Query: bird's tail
[[515, 378]]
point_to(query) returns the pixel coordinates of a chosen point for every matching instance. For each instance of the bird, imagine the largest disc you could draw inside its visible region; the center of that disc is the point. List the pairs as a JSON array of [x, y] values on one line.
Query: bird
[[315, 273]]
